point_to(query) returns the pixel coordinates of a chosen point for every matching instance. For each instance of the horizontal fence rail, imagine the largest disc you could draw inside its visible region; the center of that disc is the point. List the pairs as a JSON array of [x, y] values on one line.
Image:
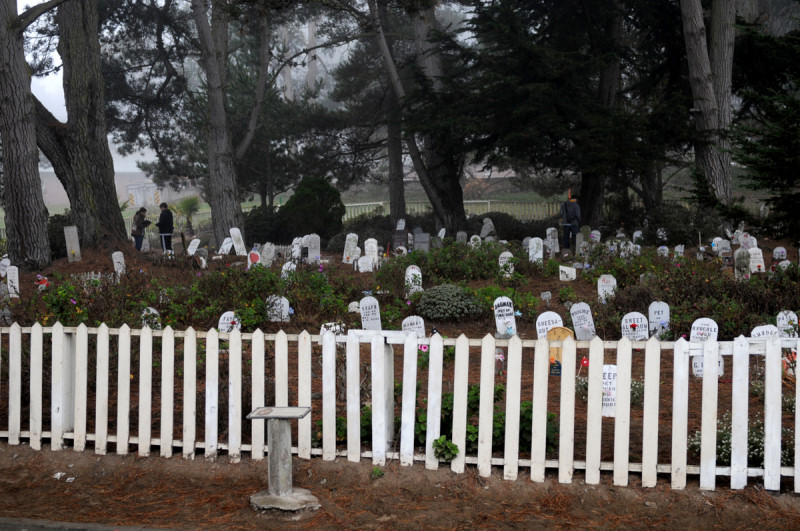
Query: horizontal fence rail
[[142, 390]]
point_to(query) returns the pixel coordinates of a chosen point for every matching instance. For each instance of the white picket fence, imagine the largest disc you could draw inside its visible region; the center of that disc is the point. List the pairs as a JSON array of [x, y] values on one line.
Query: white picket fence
[[69, 355]]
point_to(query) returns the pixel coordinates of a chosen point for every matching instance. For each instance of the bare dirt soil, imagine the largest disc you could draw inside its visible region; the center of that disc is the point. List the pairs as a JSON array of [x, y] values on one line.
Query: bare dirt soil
[[180, 494], [156, 492]]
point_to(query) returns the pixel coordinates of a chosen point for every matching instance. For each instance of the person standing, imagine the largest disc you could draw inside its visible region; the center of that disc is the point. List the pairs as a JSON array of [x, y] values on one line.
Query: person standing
[[165, 227], [570, 221], [140, 222]]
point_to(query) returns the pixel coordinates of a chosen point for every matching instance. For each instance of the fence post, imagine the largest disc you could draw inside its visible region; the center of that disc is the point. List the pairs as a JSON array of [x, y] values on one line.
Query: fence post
[[235, 397], [81, 387], [708, 444], [773, 375], [304, 394], [409, 406], [352, 395], [680, 413], [434, 412], [167, 390], [379, 400], [212, 394], [566, 443], [460, 392], [740, 397], [15, 384], [329, 396], [37, 368], [62, 411], [486, 407]]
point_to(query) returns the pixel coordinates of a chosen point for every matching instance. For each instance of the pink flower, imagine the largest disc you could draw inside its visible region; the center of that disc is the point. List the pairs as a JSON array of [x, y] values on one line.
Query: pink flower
[[408, 303], [423, 348]]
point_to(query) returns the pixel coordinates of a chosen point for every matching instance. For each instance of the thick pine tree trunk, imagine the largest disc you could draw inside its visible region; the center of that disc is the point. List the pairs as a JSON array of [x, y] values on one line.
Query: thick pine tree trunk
[[394, 151], [78, 150], [221, 187], [26, 215]]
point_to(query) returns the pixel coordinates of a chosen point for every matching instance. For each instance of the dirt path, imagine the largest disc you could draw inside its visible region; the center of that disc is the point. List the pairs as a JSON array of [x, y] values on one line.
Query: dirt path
[[175, 493]]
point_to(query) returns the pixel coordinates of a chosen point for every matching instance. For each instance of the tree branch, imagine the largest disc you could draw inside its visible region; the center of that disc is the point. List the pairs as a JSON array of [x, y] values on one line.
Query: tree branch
[[30, 15]]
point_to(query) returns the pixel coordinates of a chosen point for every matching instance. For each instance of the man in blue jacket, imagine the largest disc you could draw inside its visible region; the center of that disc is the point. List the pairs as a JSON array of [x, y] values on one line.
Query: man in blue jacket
[[165, 227]]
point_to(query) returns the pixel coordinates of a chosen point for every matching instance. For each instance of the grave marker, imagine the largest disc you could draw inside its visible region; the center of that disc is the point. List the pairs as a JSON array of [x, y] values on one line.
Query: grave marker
[[595, 236], [422, 242], [787, 323], [552, 236], [474, 241], [505, 263], [756, 260], [371, 252], [765, 331], [365, 264], [637, 236], [461, 236], [228, 322], [609, 407], [267, 254], [634, 326], [662, 251], [118, 259], [558, 333], [370, 313], [238, 242], [193, 245], [297, 249], [287, 269], [312, 242], [151, 318], [73, 243], [504, 319], [566, 273], [253, 258], [741, 266], [414, 323], [547, 321], [606, 285], [413, 280], [583, 321], [704, 329], [12, 281], [487, 229], [354, 307], [536, 250], [4, 263], [226, 246], [350, 246], [778, 254], [658, 318], [277, 309]]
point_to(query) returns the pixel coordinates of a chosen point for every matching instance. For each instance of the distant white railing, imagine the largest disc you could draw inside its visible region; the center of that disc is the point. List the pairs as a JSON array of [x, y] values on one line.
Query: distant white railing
[[163, 367], [522, 210]]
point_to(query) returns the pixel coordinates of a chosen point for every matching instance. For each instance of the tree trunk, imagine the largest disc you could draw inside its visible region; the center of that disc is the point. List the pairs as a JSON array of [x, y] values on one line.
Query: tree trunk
[[78, 150], [710, 80], [591, 198], [25, 213], [221, 187], [394, 149]]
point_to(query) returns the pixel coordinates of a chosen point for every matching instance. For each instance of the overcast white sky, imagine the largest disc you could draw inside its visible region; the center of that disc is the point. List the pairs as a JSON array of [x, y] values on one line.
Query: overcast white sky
[[50, 93]]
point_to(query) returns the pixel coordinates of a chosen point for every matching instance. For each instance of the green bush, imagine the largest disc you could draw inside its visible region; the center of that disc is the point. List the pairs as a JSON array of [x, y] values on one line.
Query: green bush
[[315, 208], [448, 303], [261, 225]]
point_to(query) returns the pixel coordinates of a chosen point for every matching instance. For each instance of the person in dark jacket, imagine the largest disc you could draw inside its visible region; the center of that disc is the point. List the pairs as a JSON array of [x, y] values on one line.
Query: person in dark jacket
[[570, 221], [165, 227], [140, 222]]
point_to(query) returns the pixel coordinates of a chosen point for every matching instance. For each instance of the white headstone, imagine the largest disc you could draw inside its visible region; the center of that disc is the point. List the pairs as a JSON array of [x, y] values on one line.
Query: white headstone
[[658, 317], [506, 266], [461, 236], [609, 404], [741, 267], [704, 329], [400, 251], [637, 236], [679, 251], [370, 313], [277, 309], [756, 260], [354, 307], [350, 246], [547, 321], [73, 243], [487, 229], [228, 322], [413, 280], [583, 321], [267, 254], [594, 236], [634, 326], [787, 323], [118, 260], [253, 257], [475, 240], [297, 248], [746, 241], [414, 323], [662, 251], [401, 224], [552, 237], [779, 253], [12, 279], [192, 248], [606, 285], [765, 331], [784, 264], [312, 242], [4, 263], [151, 318], [365, 264], [536, 250], [238, 242], [724, 248], [505, 321], [567, 273], [287, 269], [225, 248], [441, 233]]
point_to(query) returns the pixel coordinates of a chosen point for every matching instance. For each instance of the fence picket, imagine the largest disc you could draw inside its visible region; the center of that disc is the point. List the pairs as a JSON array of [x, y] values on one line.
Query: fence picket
[[15, 384], [189, 392], [566, 443], [434, 412], [541, 370], [281, 369], [81, 387], [36, 386], [145, 390], [212, 394], [409, 400], [740, 398], [124, 377], [167, 390], [794, 367], [460, 391], [513, 400], [59, 383], [486, 407], [708, 444], [680, 413], [257, 394], [101, 391], [772, 414], [235, 397], [329, 396], [652, 383], [594, 410], [379, 398], [622, 414], [353, 397], [304, 394]]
